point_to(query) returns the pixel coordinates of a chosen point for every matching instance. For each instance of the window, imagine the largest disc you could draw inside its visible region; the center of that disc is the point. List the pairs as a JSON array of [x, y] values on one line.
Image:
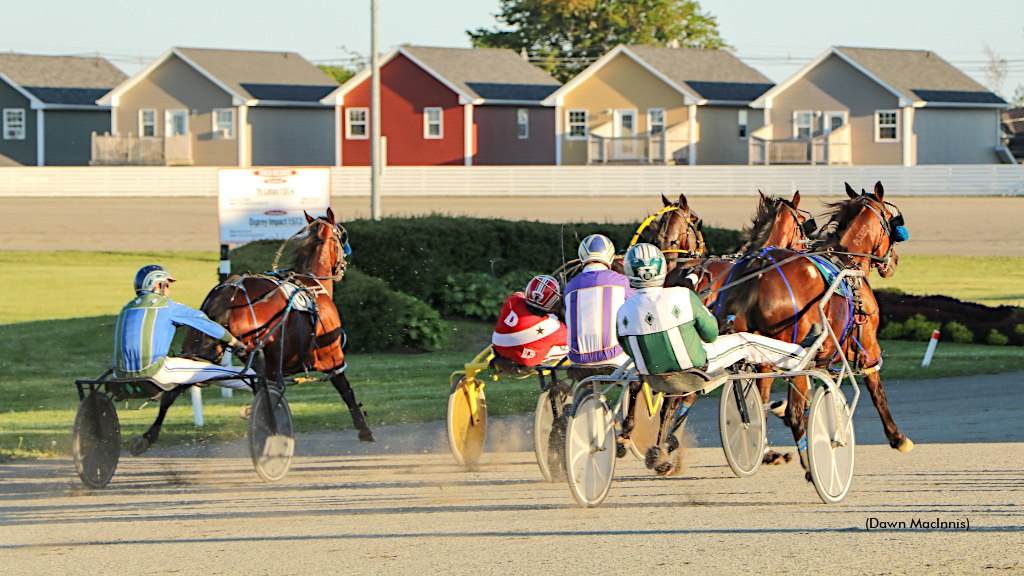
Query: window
[[834, 120], [147, 122], [224, 123], [741, 122], [655, 120], [356, 123], [523, 123], [886, 128], [432, 119], [14, 123], [802, 122], [577, 121], [175, 122]]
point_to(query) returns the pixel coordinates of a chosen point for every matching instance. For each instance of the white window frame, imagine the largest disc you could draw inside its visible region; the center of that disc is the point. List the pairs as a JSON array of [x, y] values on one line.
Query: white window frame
[[797, 126], [826, 124], [218, 127], [743, 123], [895, 126], [652, 123], [569, 124], [14, 129], [427, 122], [143, 123], [523, 123], [349, 123], [168, 114]]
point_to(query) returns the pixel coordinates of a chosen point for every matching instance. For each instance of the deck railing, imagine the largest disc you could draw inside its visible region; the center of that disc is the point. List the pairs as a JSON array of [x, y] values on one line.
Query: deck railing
[[670, 146], [132, 150], [832, 148]]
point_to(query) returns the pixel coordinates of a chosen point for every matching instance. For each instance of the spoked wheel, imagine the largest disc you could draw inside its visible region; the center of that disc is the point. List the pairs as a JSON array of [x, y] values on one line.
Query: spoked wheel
[[549, 432], [830, 445], [646, 421], [96, 440], [590, 449], [271, 449], [467, 432], [741, 422]]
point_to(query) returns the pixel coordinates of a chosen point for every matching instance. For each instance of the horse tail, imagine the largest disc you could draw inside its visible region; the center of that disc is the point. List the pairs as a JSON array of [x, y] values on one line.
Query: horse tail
[[741, 299]]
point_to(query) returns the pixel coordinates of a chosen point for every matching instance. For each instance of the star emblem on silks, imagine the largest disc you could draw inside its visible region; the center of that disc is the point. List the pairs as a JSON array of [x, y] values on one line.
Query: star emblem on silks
[[540, 330], [649, 319], [675, 311]]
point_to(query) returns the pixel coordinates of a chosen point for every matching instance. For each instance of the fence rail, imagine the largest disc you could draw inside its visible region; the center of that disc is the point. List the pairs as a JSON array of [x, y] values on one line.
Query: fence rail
[[551, 181]]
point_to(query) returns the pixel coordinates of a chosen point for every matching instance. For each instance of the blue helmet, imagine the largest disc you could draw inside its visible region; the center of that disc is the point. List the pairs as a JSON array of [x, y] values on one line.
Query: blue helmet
[[597, 248], [149, 277]]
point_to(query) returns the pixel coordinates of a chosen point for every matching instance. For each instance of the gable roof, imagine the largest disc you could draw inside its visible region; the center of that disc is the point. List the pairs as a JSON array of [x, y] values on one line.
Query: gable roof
[[251, 77], [477, 75], [702, 76], [59, 81], [917, 77]]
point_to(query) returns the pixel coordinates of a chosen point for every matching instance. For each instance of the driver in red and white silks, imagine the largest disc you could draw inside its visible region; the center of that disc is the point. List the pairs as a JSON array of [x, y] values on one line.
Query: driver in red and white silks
[[528, 332]]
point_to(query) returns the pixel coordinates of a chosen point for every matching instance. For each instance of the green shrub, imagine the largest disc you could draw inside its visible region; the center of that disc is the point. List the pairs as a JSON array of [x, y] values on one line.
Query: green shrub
[[475, 295], [1019, 331], [888, 290], [919, 328], [996, 338], [891, 331], [377, 318], [957, 332]]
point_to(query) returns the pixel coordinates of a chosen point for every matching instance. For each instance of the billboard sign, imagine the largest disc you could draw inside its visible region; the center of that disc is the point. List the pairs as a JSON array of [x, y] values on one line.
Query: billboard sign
[[267, 203]]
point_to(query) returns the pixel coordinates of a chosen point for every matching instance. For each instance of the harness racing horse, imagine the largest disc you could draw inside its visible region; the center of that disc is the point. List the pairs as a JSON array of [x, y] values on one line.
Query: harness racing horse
[[776, 293], [290, 317]]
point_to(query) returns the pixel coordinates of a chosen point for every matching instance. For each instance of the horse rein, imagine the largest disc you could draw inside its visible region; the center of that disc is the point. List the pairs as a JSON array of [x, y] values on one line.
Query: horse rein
[[692, 226], [337, 233]]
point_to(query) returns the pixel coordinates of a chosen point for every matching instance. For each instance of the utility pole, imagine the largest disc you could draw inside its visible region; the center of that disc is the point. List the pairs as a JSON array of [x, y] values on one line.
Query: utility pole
[[375, 156]]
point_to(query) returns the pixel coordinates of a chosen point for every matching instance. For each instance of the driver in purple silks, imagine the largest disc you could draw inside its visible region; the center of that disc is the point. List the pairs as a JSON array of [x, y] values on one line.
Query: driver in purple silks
[[592, 300]]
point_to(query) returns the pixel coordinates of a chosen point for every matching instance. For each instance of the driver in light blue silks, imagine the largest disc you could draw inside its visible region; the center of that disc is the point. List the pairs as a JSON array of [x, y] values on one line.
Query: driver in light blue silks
[[145, 328]]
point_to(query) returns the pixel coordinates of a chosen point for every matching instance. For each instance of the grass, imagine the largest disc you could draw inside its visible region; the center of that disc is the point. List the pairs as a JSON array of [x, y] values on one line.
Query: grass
[[988, 280]]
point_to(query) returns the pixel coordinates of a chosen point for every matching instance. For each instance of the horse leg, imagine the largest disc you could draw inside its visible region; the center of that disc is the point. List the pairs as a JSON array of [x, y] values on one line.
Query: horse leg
[[896, 438], [142, 443], [764, 385], [796, 418], [358, 416], [666, 458]]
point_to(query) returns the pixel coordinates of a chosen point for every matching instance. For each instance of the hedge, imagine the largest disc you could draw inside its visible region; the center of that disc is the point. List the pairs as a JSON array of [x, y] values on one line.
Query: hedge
[[914, 317]]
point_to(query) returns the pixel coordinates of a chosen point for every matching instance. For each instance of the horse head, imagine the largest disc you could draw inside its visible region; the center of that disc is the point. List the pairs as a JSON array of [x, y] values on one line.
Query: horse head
[[780, 223], [322, 254], [678, 230], [875, 230]]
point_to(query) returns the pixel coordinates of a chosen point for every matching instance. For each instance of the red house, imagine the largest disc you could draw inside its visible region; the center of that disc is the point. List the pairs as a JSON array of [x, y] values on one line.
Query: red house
[[449, 106]]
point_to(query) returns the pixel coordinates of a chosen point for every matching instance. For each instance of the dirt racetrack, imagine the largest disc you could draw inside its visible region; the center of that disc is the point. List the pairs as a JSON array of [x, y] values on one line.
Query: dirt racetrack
[[401, 505], [981, 226]]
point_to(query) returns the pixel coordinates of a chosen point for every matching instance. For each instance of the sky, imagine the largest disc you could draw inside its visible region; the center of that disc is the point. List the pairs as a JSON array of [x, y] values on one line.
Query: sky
[[776, 37]]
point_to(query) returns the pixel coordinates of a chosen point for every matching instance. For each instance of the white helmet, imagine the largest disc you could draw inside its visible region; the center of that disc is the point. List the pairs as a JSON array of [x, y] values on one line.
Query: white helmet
[[645, 267], [597, 248], [149, 278]]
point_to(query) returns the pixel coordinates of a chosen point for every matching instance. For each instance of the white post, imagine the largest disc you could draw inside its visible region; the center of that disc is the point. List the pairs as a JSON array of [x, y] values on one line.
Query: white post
[[931, 349], [197, 405], [225, 360]]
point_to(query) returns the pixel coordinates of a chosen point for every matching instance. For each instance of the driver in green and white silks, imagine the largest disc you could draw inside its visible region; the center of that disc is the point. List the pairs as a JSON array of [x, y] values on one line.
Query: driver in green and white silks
[[669, 329], [145, 328]]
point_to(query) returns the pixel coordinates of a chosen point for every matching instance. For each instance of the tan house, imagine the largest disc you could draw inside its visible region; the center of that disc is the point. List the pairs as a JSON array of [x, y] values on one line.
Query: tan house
[[871, 106], [658, 105], [207, 107]]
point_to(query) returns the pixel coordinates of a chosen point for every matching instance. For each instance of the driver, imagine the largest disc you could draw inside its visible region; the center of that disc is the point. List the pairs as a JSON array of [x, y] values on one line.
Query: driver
[[669, 329], [145, 328], [591, 300], [528, 332]]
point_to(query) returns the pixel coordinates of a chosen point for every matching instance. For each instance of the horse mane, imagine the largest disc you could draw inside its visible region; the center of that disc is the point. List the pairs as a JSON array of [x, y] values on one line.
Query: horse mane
[[761, 223], [305, 252], [841, 215]]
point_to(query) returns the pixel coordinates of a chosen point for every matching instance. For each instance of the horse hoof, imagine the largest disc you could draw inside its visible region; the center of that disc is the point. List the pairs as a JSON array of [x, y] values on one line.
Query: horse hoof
[[906, 445], [365, 435], [656, 456], [138, 446], [773, 458], [778, 408], [807, 476], [664, 469], [245, 412]]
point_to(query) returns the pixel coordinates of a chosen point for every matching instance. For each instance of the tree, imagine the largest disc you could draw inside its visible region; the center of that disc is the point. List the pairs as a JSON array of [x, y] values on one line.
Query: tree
[[566, 35], [339, 73]]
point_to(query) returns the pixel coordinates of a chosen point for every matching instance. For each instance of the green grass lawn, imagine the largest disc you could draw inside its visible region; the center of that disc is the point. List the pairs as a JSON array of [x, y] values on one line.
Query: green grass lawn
[[988, 280]]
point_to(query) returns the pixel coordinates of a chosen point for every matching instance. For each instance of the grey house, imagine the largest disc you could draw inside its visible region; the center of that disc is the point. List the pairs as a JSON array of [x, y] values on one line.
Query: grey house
[[871, 106], [208, 107], [49, 110]]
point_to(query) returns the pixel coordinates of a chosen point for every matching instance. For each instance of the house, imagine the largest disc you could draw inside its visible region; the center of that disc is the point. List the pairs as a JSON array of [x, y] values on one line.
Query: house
[[49, 107], [1013, 132], [449, 106], [872, 106], [205, 107], [658, 105]]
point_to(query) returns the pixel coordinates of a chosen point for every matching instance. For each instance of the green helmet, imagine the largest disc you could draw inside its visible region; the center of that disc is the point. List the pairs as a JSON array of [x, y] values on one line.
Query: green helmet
[[645, 266]]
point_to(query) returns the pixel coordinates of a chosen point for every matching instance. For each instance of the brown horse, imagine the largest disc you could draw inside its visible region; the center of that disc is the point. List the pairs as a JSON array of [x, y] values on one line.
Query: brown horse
[[289, 316], [783, 302]]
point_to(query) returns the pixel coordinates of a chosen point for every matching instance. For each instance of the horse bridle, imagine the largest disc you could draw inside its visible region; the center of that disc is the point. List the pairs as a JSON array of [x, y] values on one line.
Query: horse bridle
[[888, 225], [807, 227], [693, 225], [340, 237]]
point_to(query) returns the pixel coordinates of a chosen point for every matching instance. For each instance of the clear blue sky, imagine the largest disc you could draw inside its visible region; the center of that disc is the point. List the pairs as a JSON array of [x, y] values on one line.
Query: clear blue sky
[[774, 36]]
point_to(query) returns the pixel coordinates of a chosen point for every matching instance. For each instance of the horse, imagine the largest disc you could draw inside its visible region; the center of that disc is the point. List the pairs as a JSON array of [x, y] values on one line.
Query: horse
[[266, 314], [783, 302]]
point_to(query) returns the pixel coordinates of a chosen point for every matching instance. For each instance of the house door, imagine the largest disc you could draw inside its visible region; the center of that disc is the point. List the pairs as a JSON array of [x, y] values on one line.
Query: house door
[[176, 122], [834, 120], [626, 146]]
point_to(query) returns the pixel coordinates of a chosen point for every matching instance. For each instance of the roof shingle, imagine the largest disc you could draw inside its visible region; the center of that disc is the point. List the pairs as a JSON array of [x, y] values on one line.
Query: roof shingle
[[273, 75], [488, 73], [61, 79], [712, 74]]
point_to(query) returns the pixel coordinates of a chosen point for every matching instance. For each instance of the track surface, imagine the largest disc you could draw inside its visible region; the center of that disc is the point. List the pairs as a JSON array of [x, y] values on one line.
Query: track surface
[[401, 506]]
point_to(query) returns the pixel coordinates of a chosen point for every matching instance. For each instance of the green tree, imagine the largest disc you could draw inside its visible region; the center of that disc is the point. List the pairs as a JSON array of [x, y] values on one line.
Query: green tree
[[566, 35], [339, 73]]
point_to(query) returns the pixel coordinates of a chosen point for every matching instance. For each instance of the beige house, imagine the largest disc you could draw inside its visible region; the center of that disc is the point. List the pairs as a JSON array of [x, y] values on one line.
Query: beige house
[[870, 106], [207, 107], [658, 105]]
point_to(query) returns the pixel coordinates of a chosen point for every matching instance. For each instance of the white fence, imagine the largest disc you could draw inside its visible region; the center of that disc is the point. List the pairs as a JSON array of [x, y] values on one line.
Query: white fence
[[944, 180]]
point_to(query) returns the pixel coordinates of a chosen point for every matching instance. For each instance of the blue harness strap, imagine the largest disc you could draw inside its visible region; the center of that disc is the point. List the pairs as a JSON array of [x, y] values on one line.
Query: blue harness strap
[[829, 272]]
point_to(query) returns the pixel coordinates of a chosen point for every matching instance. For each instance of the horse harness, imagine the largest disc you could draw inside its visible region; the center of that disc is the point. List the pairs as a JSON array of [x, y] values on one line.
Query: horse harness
[[693, 225]]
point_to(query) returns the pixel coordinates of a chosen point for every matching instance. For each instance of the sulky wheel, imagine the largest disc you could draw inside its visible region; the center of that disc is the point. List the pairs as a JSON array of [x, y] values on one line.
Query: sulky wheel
[[549, 432], [467, 432], [96, 440], [590, 449], [271, 452], [646, 429], [830, 445], [742, 424]]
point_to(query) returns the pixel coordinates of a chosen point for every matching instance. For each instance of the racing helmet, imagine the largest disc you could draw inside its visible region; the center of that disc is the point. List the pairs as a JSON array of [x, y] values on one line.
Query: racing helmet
[[645, 267], [597, 248], [149, 277], [543, 292]]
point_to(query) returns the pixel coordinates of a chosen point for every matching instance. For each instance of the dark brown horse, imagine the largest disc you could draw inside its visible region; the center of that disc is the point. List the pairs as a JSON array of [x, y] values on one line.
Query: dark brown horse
[[781, 301]]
